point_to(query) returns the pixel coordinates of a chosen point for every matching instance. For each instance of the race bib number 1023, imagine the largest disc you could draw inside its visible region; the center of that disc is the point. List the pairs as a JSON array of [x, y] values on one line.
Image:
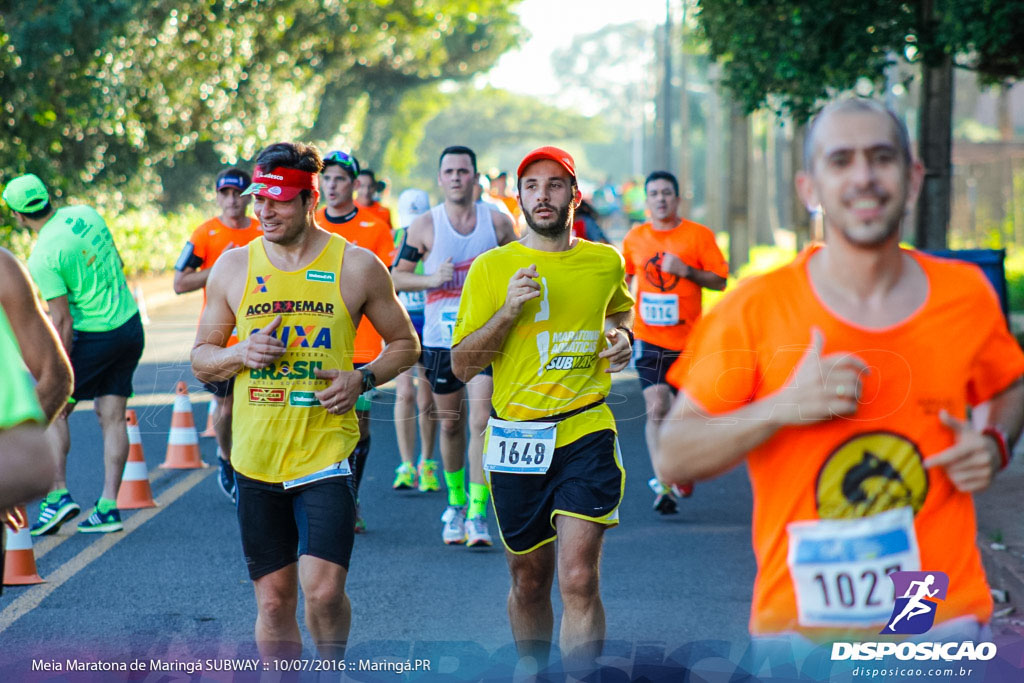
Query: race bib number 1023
[[519, 447]]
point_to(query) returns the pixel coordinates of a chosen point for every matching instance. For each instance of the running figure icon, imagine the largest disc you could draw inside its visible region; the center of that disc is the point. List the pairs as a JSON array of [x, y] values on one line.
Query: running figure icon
[[917, 592]]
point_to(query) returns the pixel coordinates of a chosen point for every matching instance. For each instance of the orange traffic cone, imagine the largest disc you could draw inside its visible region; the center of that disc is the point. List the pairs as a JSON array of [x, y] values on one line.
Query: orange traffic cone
[[20, 564], [211, 417], [134, 492], [183, 440]]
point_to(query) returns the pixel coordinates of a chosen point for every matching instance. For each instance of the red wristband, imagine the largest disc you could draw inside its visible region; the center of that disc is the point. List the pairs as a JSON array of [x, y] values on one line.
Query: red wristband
[[999, 436]]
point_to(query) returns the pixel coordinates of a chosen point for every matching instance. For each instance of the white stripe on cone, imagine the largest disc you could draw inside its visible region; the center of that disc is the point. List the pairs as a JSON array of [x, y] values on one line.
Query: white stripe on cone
[[19, 540], [134, 435], [135, 471], [182, 404], [182, 436]]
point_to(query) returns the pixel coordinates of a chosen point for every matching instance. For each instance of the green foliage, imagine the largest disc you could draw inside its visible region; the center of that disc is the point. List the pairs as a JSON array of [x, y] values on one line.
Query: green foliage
[[148, 240], [790, 54], [498, 125], [1014, 265], [107, 95]]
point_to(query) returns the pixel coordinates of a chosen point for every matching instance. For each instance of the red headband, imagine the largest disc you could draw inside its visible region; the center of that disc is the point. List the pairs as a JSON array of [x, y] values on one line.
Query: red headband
[[282, 184]]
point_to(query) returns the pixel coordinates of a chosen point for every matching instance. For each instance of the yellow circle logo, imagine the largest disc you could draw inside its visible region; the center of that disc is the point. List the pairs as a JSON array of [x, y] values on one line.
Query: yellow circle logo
[[871, 473]]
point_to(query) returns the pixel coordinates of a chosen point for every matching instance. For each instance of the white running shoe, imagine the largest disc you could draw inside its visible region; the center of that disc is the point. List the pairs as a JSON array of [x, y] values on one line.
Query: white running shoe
[[477, 533], [454, 531]]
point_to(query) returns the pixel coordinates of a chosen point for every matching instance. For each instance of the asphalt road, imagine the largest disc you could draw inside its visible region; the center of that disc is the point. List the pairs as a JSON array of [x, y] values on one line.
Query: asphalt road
[[173, 587]]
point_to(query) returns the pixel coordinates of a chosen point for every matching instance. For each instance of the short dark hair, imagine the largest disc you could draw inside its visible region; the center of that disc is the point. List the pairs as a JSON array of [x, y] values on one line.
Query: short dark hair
[[295, 155], [662, 175], [458, 149], [858, 104], [369, 172], [237, 173], [38, 213]]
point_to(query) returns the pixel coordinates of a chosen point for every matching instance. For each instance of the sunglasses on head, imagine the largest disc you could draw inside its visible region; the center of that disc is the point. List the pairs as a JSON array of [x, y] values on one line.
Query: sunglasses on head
[[345, 160]]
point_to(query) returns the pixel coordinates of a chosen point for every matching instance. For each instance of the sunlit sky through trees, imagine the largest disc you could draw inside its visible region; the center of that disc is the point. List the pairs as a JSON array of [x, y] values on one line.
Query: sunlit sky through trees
[[552, 25]]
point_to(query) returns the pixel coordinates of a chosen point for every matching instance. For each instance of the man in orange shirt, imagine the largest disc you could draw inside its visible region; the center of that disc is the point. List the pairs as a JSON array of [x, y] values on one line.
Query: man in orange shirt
[[829, 378], [232, 228], [499, 190], [367, 188], [358, 225], [672, 260]]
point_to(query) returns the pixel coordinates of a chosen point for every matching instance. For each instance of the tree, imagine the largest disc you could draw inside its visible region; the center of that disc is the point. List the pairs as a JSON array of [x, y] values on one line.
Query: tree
[[114, 94], [498, 125], [792, 54]]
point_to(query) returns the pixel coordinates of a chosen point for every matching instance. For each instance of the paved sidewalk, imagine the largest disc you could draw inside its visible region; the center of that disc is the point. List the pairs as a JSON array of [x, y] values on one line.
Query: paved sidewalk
[[1001, 538]]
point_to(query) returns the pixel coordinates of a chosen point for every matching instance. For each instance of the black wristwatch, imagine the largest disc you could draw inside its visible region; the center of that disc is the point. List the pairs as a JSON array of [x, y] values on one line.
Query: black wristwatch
[[369, 379], [629, 333]]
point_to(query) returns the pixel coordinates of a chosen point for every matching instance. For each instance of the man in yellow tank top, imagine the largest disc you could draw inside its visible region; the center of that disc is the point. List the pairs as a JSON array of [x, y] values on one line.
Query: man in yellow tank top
[[551, 313], [296, 310]]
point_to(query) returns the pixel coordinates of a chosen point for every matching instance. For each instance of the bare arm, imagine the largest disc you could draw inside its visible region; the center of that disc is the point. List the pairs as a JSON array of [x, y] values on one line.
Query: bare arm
[[40, 348], [211, 361], [619, 350], [478, 349], [26, 464], [704, 278], [694, 445], [389, 318], [190, 279], [421, 238], [60, 316]]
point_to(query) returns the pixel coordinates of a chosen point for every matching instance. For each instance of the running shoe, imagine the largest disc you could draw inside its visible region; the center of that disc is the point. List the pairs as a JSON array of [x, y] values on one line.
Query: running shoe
[[665, 497], [226, 479], [683, 490], [405, 477], [428, 476], [454, 531], [360, 525], [101, 522], [477, 533], [52, 515]]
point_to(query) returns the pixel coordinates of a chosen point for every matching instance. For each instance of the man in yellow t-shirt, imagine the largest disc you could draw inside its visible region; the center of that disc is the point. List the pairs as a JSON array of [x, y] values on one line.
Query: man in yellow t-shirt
[[553, 335]]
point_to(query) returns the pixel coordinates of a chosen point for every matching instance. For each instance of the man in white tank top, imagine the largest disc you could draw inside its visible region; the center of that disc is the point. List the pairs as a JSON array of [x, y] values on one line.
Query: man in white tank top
[[448, 238]]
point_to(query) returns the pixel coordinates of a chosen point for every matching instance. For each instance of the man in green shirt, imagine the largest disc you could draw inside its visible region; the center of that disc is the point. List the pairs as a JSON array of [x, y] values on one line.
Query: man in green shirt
[[79, 272]]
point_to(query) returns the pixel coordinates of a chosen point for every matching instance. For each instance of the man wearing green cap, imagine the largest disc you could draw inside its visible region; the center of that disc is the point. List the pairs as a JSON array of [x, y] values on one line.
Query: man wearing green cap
[[79, 272]]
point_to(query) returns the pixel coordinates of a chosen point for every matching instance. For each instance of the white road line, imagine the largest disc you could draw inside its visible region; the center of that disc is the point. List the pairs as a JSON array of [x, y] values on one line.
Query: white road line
[[35, 595]]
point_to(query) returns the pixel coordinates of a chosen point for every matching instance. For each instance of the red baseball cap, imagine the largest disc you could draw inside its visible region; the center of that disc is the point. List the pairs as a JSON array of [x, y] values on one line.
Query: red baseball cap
[[559, 156], [282, 184]]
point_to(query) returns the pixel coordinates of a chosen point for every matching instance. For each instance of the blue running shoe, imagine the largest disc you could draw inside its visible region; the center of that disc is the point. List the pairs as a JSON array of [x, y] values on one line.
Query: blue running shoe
[[52, 515], [226, 479], [101, 522]]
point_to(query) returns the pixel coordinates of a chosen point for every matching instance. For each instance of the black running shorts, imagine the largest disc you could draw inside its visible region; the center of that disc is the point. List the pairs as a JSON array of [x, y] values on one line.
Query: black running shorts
[[104, 362], [437, 362], [652, 363], [586, 480], [279, 524], [222, 389]]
